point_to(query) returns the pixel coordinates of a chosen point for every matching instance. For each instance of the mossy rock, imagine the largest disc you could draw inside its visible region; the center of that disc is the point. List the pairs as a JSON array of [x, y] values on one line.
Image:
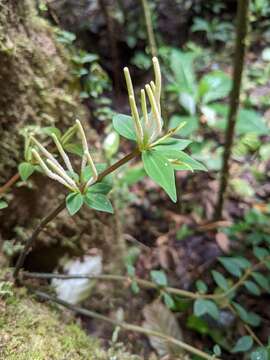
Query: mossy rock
[[30, 330]]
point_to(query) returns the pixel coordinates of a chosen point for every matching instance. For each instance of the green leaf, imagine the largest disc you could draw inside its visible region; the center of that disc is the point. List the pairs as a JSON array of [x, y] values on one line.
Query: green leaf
[[186, 162], [261, 280], [160, 170], [49, 130], [3, 204], [231, 265], [172, 144], [243, 314], [214, 86], [124, 125], [197, 324], [133, 174], [188, 102], [260, 354], [251, 121], [98, 202], [111, 144], [248, 317], [220, 280], [168, 300], [242, 187], [253, 319], [217, 350], [99, 188], [182, 67], [192, 124], [75, 149], [159, 277], [243, 344], [242, 262], [88, 172], [202, 307], [260, 252], [26, 170], [201, 286], [252, 288], [248, 121], [74, 202]]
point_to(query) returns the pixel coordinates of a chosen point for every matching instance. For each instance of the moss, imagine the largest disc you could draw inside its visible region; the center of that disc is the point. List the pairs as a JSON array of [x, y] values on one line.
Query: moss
[[31, 330]]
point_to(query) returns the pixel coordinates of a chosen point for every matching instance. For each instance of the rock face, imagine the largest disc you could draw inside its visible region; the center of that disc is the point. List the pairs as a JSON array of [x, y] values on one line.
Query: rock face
[[36, 86], [38, 89]]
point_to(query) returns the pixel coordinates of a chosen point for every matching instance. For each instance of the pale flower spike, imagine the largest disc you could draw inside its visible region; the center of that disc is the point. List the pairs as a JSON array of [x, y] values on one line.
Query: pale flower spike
[[158, 79], [136, 117], [87, 154], [153, 123], [144, 107], [59, 173], [62, 153], [63, 174], [48, 172], [155, 112]]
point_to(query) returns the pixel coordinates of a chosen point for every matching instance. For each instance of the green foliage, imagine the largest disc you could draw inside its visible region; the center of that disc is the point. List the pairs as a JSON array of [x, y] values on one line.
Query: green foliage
[[3, 204], [74, 202], [159, 277], [98, 202], [220, 280], [158, 167], [26, 170], [203, 306], [124, 125], [243, 344], [260, 354], [215, 30]]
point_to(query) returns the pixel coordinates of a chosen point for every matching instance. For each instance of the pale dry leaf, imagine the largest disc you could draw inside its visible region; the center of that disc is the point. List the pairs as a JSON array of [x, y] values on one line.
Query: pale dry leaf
[[223, 242], [159, 318]]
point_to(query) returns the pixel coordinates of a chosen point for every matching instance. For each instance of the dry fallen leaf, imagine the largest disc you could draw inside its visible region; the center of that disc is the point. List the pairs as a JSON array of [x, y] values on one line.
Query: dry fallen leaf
[[223, 242], [159, 318]]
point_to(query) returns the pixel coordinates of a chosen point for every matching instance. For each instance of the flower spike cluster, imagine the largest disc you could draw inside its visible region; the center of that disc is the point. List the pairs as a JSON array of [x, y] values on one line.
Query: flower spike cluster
[[54, 170], [150, 126]]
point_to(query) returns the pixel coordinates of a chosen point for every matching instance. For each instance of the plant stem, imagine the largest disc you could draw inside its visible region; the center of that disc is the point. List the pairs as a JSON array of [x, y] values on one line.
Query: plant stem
[[61, 207], [124, 325], [146, 283], [9, 183], [240, 46]]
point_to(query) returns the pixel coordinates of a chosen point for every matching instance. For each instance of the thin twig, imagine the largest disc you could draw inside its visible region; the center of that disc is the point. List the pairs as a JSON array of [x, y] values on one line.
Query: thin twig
[[9, 183], [124, 325], [146, 283], [61, 207]]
